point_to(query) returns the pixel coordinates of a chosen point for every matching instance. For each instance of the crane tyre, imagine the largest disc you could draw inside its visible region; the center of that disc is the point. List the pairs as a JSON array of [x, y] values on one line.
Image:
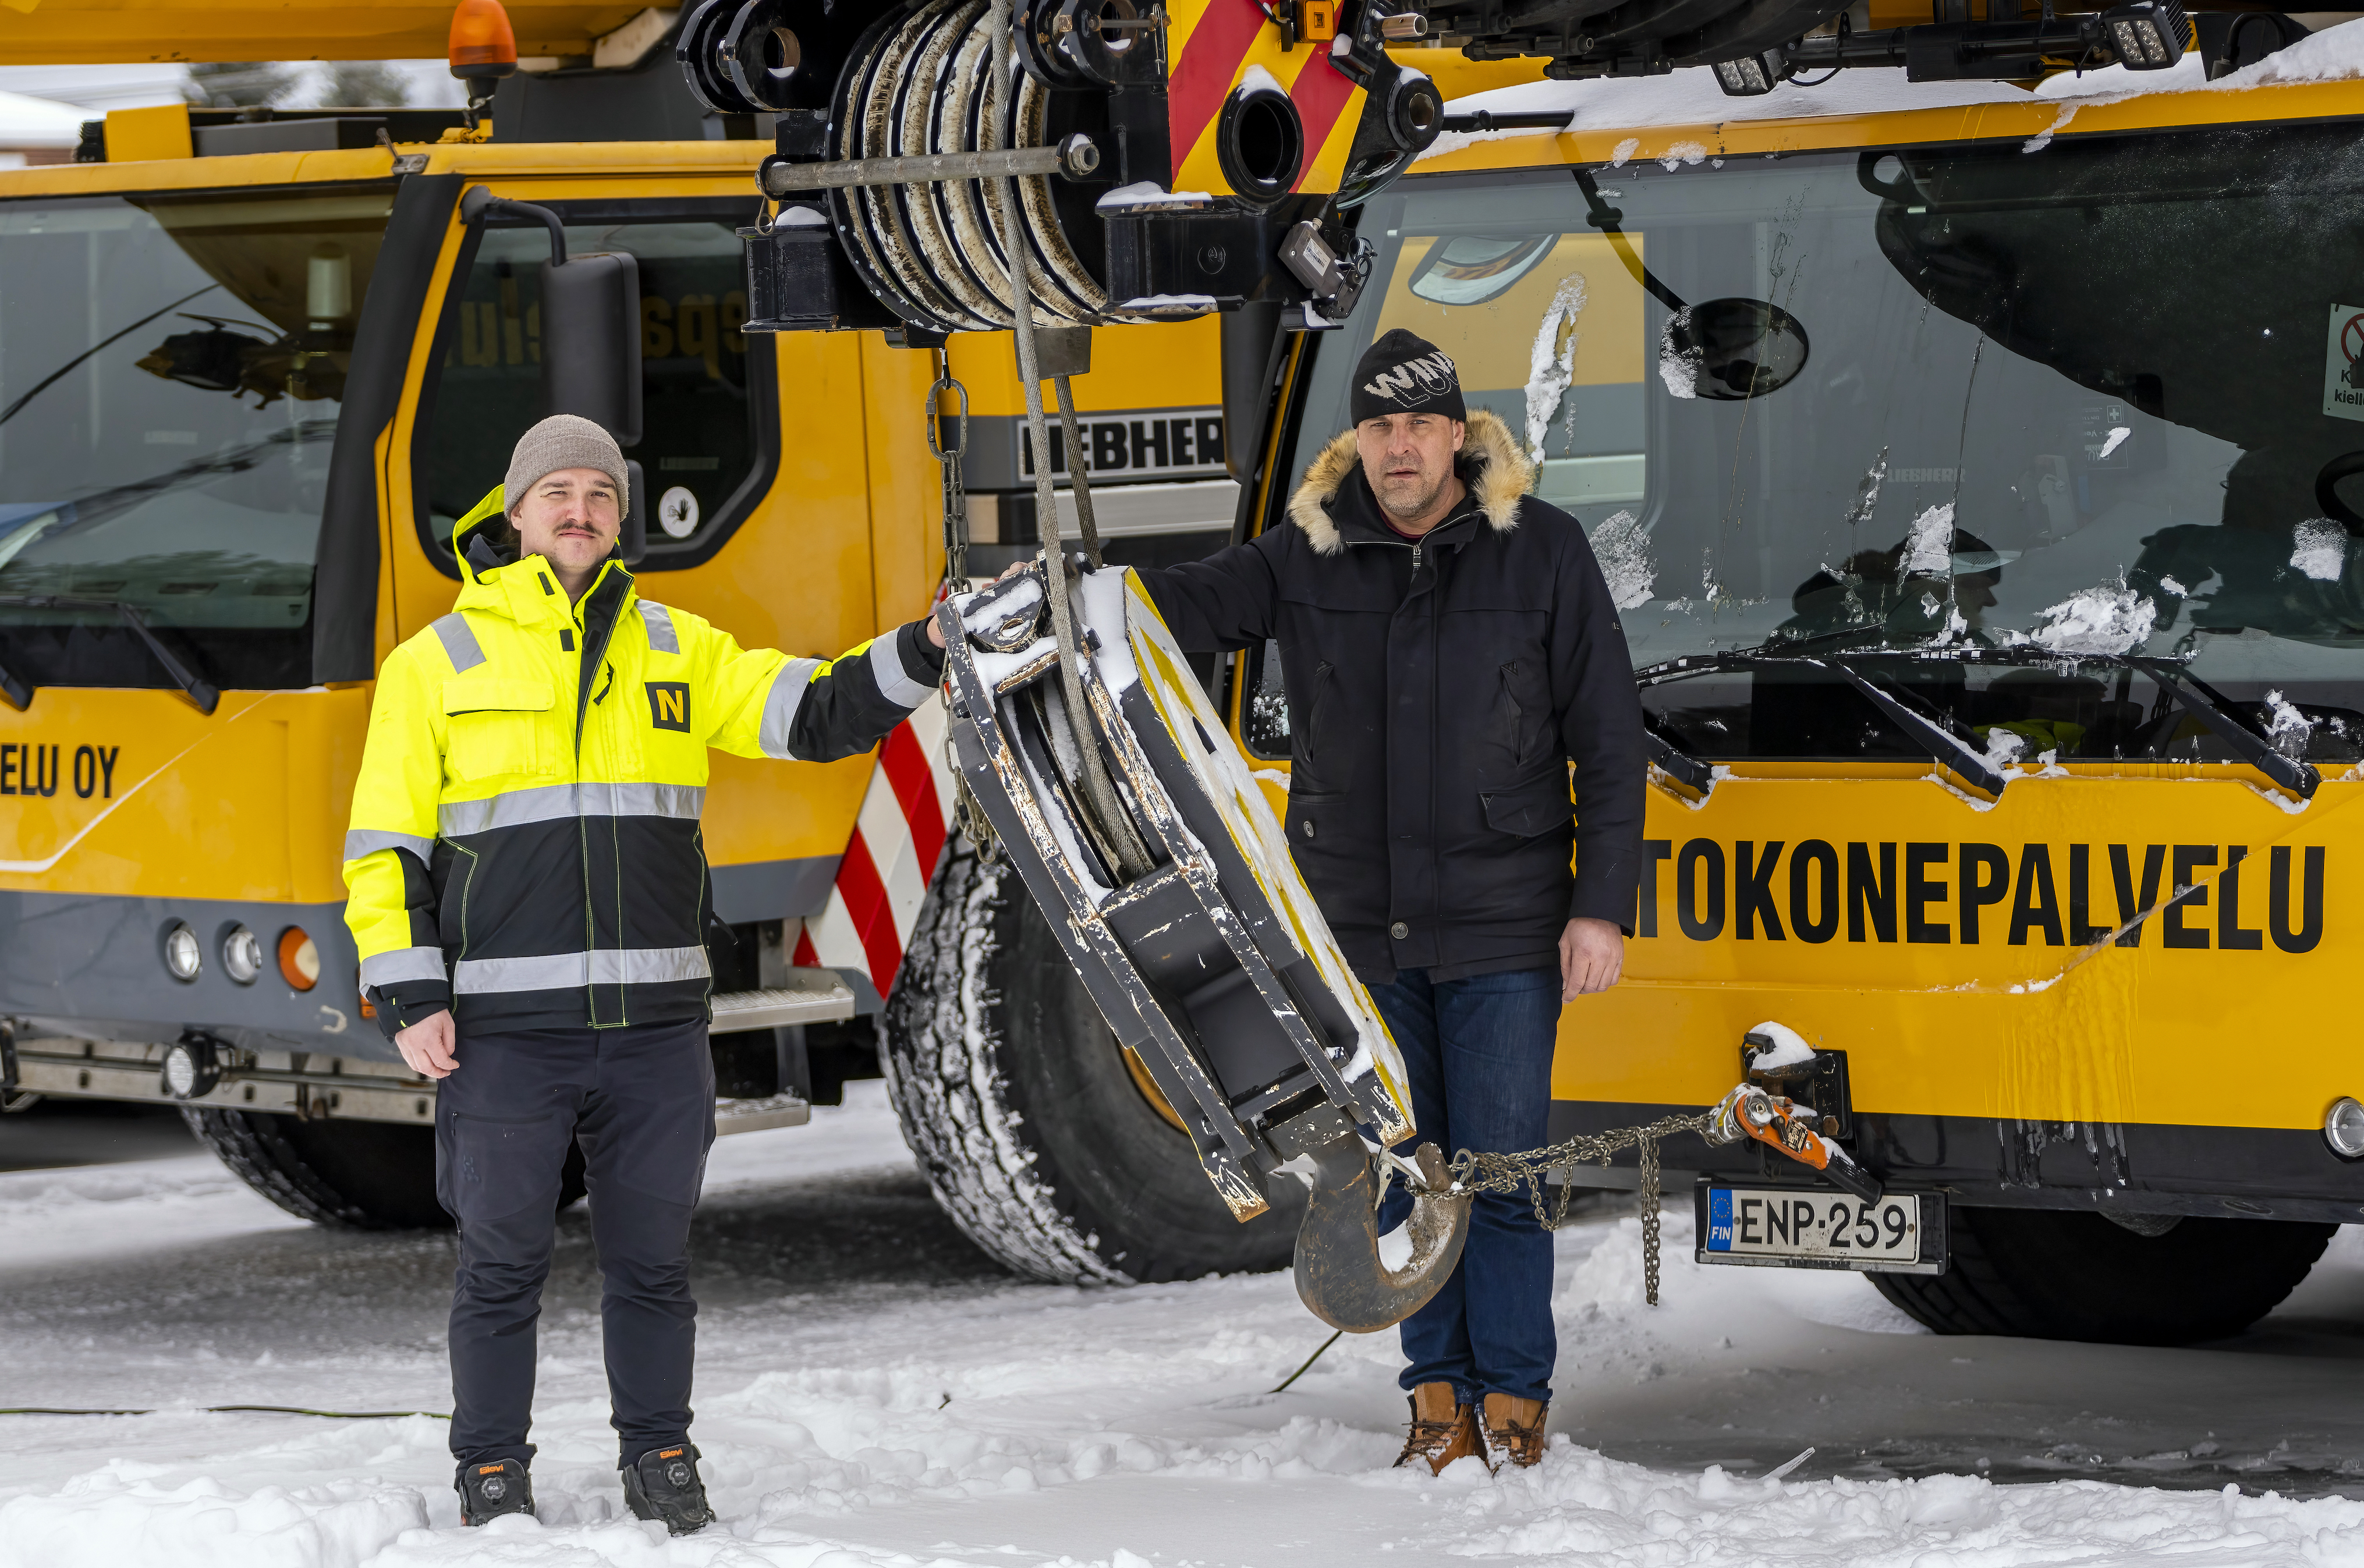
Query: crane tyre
[[2042, 1274], [358, 1176], [1032, 1130]]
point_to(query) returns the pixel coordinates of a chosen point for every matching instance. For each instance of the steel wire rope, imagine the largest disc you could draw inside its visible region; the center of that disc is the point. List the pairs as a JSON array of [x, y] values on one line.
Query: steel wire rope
[[919, 131], [1100, 790], [1071, 430], [921, 84]]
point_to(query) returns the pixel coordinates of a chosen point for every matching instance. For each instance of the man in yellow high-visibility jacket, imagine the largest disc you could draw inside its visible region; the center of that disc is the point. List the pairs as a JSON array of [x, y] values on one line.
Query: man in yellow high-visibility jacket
[[530, 899]]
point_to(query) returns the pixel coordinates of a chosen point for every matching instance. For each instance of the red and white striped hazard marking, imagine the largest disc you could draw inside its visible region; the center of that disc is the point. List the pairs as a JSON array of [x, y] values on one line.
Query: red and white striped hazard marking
[[883, 879]]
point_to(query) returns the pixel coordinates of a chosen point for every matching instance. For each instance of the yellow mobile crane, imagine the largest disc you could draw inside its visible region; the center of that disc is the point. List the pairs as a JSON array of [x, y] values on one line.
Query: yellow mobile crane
[[254, 363], [1974, 479], [1979, 487]]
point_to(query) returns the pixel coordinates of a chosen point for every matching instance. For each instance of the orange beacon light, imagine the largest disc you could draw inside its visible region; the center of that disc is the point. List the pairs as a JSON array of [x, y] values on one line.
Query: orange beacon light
[[483, 47]]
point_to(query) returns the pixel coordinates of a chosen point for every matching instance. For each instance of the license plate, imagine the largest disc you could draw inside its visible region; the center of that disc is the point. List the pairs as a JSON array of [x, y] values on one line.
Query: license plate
[[1792, 1228]]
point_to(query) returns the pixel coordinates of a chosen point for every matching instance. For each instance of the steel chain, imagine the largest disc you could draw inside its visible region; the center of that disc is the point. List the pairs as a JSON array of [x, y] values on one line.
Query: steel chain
[[1474, 1172], [968, 816], [948, 460]]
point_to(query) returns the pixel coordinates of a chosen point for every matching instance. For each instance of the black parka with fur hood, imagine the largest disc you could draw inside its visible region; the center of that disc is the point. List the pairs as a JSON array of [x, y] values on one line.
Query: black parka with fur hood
[[1432, 727]]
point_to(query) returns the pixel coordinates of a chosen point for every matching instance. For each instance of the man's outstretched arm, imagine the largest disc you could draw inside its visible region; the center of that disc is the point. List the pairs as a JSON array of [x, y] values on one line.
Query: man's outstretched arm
[[817, 710]]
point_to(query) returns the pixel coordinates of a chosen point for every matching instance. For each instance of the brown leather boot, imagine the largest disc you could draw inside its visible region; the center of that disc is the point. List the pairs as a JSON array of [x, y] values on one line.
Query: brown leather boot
[[1514, 1429], [1442, 1428]]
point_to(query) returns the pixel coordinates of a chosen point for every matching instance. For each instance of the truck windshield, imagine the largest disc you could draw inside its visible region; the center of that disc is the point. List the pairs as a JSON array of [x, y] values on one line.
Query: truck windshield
[[1977, 423], [170, 372]]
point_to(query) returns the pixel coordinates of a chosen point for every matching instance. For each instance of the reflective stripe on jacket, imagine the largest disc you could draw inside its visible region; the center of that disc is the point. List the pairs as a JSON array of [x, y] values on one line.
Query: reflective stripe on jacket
[[524, 843]]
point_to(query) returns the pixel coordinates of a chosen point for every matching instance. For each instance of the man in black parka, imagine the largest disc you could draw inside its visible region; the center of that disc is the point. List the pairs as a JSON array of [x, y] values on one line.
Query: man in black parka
[[1449, 648]]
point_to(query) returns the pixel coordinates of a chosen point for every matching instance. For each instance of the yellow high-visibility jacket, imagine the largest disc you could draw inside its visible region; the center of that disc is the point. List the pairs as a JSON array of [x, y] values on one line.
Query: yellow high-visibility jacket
[[524, 844]]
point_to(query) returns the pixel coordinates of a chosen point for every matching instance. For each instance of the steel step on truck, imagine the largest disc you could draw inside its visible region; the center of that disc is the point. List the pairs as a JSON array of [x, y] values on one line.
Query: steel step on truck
[[1975, 470]]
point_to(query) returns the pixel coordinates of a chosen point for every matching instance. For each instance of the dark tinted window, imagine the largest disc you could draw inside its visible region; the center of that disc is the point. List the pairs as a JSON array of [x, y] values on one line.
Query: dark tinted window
[[703, 446], [2018, 425]]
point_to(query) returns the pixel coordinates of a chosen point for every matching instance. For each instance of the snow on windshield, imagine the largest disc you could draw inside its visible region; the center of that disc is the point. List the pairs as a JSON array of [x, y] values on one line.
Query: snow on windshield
[[1622, 546], [2108, 618], [2019, 415], [1552, 365]]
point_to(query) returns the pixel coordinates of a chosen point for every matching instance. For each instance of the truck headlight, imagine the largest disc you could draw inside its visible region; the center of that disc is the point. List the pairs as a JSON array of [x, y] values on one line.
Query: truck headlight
[[1752, 75], [2150, 35], [2343, 1128], [190, 1070], [183, 956], [241, 955]]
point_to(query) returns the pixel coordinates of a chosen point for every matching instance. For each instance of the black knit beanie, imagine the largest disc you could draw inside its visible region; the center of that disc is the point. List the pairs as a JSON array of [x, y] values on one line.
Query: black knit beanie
[[1402, 373]]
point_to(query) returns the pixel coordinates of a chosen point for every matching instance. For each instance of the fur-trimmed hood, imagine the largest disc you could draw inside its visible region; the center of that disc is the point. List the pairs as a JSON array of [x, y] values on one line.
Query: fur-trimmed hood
[[1491, 464]]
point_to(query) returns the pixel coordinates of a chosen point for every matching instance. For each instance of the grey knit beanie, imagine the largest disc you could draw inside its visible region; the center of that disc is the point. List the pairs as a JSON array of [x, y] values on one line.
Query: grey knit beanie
[[564, 441]]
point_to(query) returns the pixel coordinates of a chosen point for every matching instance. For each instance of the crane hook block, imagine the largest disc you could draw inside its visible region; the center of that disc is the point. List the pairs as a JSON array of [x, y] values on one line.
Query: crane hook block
[[1176, 900]]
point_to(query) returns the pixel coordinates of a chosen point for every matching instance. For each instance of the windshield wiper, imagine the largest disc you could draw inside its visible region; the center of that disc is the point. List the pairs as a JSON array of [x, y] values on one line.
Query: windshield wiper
[[1938, 734], [2187, 691], [15, 688], [2206, 704], [1677, 763], [201, 691]]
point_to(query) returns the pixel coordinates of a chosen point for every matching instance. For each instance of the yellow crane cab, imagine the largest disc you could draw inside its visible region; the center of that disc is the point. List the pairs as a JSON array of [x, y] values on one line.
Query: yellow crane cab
[[1974, 465]]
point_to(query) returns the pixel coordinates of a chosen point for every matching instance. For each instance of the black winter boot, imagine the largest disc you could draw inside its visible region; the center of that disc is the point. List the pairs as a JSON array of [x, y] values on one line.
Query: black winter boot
[[663, 1483], [488, 1491]]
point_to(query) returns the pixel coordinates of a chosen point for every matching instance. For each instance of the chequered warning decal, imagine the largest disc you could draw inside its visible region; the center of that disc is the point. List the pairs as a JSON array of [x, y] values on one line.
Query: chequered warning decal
[[1212, 52], [883, 878]]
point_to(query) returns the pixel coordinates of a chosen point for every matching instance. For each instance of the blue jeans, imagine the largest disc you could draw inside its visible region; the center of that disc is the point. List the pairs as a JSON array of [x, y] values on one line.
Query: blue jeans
[[1478, 1052]]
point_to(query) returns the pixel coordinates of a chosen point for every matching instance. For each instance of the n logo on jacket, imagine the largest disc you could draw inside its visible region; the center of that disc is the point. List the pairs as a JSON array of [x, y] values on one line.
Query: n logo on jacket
[[669, 705]]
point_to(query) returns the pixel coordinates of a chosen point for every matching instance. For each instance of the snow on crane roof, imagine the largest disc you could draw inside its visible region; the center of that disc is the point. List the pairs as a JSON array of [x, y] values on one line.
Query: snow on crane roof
[[1690, 96], [26, 122]]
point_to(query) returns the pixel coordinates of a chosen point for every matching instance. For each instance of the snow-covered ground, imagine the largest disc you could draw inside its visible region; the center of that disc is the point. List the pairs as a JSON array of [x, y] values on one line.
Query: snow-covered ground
[[873, 1392]]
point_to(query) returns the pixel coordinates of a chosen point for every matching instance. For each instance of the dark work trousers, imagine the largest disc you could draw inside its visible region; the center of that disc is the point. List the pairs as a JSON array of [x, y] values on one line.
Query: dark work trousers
[[640, 1102], [1478, 1053]]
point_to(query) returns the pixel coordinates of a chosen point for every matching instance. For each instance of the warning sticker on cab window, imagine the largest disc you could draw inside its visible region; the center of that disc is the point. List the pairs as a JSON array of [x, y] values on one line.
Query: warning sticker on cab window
[[2343, 363]]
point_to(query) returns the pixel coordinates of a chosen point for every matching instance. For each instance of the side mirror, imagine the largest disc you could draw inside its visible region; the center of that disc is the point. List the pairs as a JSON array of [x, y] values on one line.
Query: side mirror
[[591, 341], [1725, 350], [1253, 344], [632, 543], [590, 324]]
